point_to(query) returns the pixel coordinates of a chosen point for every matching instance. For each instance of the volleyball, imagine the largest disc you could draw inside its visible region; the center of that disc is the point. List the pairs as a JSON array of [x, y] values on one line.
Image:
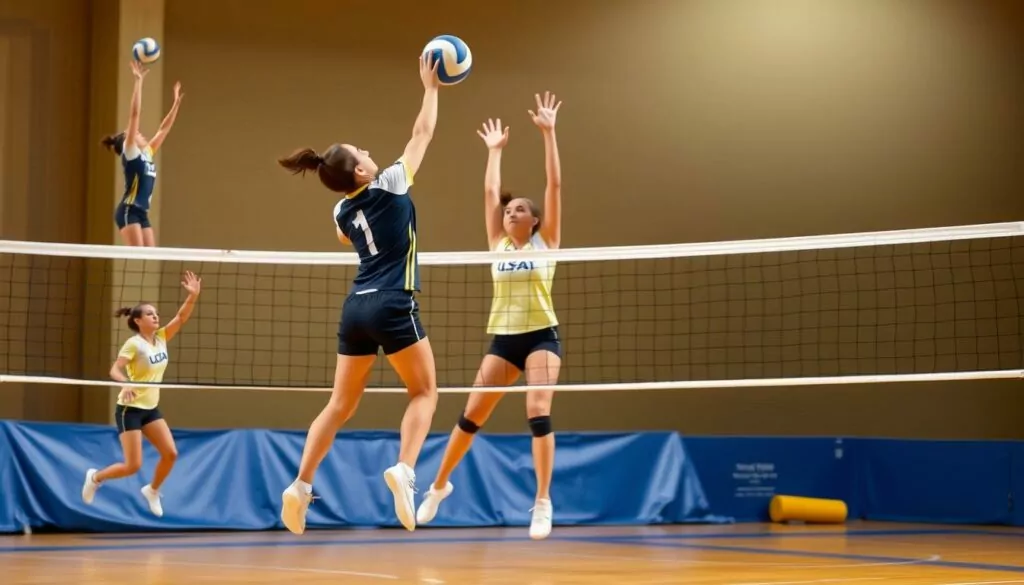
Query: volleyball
[[146, 50], [456, 60]]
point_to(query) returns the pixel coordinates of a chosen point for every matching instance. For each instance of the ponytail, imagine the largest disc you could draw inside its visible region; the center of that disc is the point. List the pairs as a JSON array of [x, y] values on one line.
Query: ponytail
[[132, 313], [336, 167], [302, 160], [114, 143]]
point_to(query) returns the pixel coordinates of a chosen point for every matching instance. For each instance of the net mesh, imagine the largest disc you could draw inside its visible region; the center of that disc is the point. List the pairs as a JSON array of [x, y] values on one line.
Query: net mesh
[[630, 315]]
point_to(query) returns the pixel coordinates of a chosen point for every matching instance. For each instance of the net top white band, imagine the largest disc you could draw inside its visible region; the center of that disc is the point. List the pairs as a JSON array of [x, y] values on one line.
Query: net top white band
[[791, 244], [611, 387]]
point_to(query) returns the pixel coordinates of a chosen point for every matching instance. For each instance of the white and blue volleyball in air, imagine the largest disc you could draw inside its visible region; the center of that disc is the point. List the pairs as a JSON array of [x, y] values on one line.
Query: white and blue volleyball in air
[[146, 50], [456, 60]]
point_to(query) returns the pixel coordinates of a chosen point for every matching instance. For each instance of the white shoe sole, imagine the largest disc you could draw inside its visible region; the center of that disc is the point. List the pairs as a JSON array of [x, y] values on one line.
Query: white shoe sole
[[85, 489], [291, 514], [404, 509]]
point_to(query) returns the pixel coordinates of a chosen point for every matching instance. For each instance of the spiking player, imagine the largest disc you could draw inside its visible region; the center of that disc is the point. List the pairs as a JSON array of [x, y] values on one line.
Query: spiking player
[[132, 213], [377, 216]]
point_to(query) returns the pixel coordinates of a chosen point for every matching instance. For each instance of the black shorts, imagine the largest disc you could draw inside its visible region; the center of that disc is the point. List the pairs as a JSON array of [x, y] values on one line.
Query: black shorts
[[387, 319], [128, 214], [129, 418], [516, 348]]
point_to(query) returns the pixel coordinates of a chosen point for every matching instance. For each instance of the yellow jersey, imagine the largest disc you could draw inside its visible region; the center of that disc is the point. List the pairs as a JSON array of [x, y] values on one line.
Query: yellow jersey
[[522, 291], [146, 363]]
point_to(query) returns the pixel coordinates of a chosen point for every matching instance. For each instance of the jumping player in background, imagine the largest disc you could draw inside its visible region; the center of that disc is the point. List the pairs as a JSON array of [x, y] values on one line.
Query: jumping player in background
[[143, 358], [376, 216], [522, 319], [132, 214]]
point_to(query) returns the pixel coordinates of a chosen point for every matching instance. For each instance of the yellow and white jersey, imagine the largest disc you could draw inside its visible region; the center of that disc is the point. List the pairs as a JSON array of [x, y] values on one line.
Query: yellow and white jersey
[[522, 291], [146, 363]]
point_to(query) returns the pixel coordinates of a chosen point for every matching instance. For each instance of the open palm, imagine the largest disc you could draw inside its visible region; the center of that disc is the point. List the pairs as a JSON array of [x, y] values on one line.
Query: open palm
[[547, 111], [493, 135]]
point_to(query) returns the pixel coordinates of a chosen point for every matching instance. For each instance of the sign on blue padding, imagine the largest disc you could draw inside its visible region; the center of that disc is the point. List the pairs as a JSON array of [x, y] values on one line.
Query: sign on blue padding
[[741, 474]]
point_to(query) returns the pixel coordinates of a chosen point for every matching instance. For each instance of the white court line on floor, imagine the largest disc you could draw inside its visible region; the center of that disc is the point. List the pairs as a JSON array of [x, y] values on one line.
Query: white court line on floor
[[814, 581], [48, 557], [930, 559], [984, 582]]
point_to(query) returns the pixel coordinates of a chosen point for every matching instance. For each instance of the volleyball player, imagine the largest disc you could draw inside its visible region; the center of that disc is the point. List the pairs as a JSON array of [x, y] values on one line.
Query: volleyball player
[[143, 358], [377, 216], [132, 213], [522, 319]]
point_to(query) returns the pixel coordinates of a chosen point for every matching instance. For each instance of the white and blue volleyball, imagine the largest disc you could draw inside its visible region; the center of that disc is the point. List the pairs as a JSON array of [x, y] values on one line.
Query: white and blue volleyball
[[454, 56], [146, 50]]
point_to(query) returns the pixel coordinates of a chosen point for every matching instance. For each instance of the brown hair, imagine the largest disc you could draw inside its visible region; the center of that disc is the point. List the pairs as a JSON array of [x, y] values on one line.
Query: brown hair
[[132, 313], [505, 198], [114, 143], [336, 167]]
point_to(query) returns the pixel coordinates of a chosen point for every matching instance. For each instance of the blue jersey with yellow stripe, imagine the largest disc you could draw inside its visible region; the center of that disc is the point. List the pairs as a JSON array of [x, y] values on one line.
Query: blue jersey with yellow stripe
[[139, 176], [380, 221]]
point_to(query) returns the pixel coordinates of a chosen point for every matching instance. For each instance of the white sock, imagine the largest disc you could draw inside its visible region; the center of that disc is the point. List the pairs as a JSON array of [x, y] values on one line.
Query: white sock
[[306, 488]]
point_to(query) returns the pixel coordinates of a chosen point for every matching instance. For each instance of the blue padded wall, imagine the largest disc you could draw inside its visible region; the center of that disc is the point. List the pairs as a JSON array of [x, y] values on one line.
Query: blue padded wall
[[232, 479]]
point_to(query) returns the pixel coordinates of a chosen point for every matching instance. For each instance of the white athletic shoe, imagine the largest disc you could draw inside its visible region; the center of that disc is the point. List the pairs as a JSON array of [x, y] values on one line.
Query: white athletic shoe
[[294, 504], [540, 525], [153, 497], [433, 499], [90, 486], [401, 480]]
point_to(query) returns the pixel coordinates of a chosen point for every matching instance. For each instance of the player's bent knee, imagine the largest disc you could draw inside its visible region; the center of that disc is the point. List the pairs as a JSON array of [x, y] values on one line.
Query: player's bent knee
[[467, 425], [540, 426]]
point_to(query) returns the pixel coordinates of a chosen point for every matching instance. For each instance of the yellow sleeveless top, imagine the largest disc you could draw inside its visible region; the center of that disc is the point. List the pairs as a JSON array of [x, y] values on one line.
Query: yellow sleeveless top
[[522, 291]]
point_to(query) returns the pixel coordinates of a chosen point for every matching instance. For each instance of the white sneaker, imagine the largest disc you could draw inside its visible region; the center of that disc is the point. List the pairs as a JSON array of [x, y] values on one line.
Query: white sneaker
[[153, 497], [90, 486], [401, 480], [540, 525], [428, 507], [294, 504]]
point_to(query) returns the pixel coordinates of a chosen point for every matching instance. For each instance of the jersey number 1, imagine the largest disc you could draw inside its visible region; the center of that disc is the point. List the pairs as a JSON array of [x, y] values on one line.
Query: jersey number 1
[[361, 223]]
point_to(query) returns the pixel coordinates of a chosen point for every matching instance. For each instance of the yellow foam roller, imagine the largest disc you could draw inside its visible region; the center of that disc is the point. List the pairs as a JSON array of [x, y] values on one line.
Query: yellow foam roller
[[787, 508]]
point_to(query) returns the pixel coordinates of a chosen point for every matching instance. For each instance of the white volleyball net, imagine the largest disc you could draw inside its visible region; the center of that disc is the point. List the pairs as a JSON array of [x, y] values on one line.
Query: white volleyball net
[[929, 304]]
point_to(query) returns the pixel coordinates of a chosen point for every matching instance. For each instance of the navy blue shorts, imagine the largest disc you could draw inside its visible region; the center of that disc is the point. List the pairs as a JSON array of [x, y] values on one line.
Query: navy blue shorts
[[129, 214], [383, 319], [516, 348], [129, 418]]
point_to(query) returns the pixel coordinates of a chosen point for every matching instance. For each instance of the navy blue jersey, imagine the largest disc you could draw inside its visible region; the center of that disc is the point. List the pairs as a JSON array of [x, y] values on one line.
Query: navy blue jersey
[[380, 221], [139, 176]]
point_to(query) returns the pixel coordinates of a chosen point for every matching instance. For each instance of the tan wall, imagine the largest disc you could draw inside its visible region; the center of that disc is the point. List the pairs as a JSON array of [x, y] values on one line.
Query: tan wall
[[44, 73], [713, 121]]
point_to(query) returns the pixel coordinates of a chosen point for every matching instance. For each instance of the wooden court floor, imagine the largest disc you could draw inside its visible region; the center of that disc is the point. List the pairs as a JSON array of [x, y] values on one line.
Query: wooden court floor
[[746, 554]]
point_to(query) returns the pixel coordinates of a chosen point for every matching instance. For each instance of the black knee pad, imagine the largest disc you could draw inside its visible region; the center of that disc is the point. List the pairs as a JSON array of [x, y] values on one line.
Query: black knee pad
[[540, 426], [467, 425]]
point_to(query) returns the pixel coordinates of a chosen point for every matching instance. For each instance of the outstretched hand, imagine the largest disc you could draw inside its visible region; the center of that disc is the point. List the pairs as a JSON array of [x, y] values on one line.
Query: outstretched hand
[[428, 71], [494, 137], [177, 92], [138, 70], [191, 283], [547, 111]]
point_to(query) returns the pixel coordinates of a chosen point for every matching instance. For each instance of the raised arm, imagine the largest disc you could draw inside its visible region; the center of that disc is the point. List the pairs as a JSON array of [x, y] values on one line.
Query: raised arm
[[168, 123], [135, 108], [426, 121], [544, 118], [190, 284], [495, 138]]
